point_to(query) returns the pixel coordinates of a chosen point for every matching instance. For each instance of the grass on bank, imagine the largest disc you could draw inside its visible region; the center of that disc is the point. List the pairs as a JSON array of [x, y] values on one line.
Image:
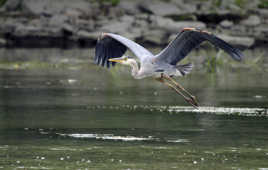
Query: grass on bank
[[2, 2]]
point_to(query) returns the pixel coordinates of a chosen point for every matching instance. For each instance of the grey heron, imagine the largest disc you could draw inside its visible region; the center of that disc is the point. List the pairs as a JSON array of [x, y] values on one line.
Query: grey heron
[[110, 49]]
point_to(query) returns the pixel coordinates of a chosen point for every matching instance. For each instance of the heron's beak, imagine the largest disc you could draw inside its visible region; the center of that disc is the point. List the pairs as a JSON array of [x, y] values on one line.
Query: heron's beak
[[117, 60]]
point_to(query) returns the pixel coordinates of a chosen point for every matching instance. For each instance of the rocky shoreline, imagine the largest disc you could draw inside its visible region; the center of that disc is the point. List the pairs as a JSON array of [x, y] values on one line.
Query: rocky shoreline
[[65, 23]]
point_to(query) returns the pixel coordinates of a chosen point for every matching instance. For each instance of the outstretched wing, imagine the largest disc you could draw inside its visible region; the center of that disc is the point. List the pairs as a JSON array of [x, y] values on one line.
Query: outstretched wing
[[113, 46], [190, 38]]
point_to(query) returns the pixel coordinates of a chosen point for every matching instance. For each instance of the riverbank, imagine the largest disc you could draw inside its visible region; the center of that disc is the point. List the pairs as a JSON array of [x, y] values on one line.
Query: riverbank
[[63, 23]]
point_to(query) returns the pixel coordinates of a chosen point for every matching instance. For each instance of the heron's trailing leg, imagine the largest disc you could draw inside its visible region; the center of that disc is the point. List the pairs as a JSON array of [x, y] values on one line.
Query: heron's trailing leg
[[189, 100], [181, 88]]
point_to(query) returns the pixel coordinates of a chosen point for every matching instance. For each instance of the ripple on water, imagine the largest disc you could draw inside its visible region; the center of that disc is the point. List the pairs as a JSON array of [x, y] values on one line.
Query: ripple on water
[[120, 138], [243, 111], [218, 110], [178, 141], [63, 149], [3, 147], [32, 167], [108, 137]]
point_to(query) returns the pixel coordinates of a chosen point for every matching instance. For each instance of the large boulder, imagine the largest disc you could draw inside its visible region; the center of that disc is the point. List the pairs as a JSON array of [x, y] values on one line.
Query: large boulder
[[133, 33], [88, 35], [86, 38], [251, 21], [57, 20], [185, 8], [234, 40], [261, 33], [122, 25], [129, 7], [51, 7], [115, 27], [69, 29], [8, 26], [238, 41], [226, 24], [156, 37], [175, 26], [263, 13], [11, 5], [38, 30], [160, 8]]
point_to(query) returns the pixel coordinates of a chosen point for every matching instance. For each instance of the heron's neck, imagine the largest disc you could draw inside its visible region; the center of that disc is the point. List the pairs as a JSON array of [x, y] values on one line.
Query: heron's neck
[[135, 68]]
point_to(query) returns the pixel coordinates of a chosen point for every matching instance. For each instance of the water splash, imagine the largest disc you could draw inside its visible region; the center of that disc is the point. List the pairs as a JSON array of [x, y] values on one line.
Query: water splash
[[122, 138], [63, 149], [4, 147], [178, 141], [222, 110], [109, 137], [241, 111]]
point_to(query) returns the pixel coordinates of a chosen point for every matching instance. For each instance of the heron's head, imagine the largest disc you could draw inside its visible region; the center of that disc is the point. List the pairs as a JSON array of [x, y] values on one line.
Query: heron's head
[[125, 60]]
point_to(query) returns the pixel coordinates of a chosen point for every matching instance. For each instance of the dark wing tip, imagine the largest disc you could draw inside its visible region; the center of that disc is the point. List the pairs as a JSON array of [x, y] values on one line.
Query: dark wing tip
[[107, 48], [237, 55], [190, 38]]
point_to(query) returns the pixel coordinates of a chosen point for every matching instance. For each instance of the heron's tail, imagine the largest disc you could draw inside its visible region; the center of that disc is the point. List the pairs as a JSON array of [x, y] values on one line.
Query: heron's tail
[[185, 68]]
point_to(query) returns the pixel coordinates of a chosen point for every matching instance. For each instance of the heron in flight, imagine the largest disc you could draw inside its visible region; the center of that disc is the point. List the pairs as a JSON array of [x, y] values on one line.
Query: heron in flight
[[110, 49]]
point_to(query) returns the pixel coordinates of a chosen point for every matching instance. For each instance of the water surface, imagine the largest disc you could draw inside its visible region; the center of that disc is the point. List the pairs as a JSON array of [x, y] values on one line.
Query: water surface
[[63, 112]]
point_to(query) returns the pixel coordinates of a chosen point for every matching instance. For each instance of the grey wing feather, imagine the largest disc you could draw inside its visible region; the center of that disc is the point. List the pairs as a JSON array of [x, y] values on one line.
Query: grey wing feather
[[113, 46], [188, 40]]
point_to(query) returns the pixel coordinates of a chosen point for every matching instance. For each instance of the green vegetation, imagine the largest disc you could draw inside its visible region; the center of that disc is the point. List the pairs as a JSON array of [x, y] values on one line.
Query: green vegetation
[[263, 4], [213, 62], [113, 2], [217, 3], [2, 2], [241, 3]]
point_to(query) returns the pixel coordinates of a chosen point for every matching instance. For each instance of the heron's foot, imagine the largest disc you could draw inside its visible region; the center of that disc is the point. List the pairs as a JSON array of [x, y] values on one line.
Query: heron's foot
[[194, 100]]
